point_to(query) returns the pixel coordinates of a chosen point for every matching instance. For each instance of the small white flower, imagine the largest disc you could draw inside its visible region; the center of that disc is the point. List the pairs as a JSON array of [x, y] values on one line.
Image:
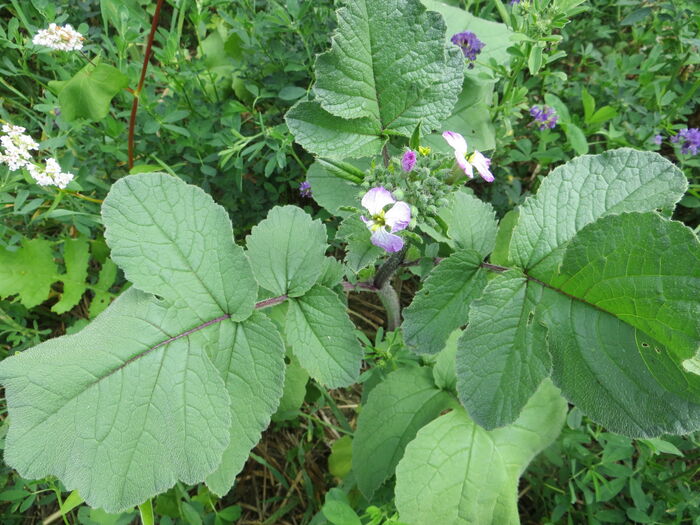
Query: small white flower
[[15, 147], [61, 38], [50, 174]]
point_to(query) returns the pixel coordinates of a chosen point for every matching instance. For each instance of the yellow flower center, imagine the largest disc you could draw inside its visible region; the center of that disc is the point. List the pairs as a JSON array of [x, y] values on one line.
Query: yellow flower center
[[379, 221]]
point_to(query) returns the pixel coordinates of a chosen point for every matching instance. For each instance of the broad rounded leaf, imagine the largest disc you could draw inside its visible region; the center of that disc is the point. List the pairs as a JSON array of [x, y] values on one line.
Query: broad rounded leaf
[[323, 337], [367, 85], [598, 367], [442, 305], [172, 240], [121, 410], [91, 90], [645, 271], [395, 410], [584, 190], [286, 251], [456, 472]]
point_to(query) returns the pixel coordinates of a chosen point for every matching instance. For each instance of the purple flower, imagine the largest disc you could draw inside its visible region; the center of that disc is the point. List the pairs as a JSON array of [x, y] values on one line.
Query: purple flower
[[382, 223], [513, 2], [408, 160], [657, 139], [305, 189], [470, 45], [689, 139], [546, 116], [475, 160]]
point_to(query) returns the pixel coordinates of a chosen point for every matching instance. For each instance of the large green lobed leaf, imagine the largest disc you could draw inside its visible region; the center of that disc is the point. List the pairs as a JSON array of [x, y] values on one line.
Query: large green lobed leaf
[[368, 85], [584, 190], [173, 381], [286, 251], [616, 292], [456, 472], [442, 305], [395, 410]]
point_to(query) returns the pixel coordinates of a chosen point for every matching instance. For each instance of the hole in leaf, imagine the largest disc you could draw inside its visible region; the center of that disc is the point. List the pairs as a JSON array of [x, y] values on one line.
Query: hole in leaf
[[645, 345]]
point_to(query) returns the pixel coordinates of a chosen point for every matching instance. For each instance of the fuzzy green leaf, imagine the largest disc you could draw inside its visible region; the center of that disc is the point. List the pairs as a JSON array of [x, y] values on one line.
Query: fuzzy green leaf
[[121, 410], [442, 305], [286, 251], [471, 223], [502, 356], [323, 339], [172, 240], [456, 472], [584, 190], [151, 392], [367, 84], [396, 409]]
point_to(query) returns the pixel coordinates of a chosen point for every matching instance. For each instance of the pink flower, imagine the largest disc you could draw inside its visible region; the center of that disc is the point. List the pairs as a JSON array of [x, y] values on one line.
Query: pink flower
[[475, 160], [408, 160], [382, 223]]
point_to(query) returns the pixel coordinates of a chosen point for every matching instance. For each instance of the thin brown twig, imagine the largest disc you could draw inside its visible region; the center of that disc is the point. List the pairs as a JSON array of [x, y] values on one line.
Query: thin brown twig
[[142, 78]]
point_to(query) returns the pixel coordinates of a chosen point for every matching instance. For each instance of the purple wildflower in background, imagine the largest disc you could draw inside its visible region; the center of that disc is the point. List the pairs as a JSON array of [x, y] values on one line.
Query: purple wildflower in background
[[513, 2], [408, 160], [546, 117], [383, 224], [689, 139], [305, 189], [657, 139], [470, 45]]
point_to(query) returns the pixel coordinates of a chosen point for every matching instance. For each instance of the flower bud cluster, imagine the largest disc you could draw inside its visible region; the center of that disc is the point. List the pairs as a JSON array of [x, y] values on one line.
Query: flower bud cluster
[[425, 187], [15, 149]]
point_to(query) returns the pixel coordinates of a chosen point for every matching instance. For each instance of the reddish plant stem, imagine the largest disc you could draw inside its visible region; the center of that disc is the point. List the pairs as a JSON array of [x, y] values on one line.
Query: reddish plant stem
[[142, 78]]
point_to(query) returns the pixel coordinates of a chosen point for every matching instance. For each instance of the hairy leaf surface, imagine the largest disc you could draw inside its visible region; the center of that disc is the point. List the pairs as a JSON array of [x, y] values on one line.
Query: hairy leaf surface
[[502, 356], [286, 251], [323, 338], [456, 472], [584, 190], [471, 223], [172, 240], [165, 382], [368, 85], [121, 410], [443, 303], [395, 410]]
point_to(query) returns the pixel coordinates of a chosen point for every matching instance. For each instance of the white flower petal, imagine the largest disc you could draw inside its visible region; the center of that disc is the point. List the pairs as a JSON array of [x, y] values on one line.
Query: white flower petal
[[398, 217], [376, 198], [456, 141], [482, 164]]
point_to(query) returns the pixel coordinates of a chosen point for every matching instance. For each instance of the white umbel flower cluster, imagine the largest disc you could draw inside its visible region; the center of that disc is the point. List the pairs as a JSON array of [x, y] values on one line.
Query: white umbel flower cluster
[[15, 149], [62, 38], [50, 175]]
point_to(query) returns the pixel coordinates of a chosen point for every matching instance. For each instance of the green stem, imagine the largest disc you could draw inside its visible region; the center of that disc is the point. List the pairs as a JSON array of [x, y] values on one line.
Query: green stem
[[146, 510]]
